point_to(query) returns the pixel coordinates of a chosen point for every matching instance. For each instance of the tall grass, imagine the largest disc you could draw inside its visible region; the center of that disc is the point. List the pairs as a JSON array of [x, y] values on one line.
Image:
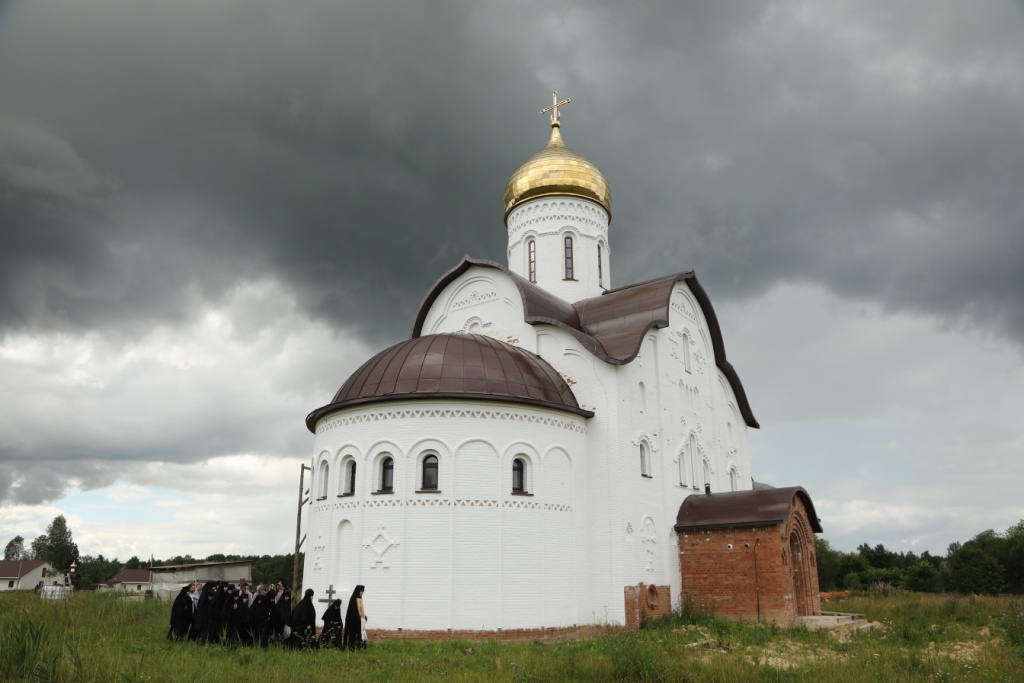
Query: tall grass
[[100, 638]]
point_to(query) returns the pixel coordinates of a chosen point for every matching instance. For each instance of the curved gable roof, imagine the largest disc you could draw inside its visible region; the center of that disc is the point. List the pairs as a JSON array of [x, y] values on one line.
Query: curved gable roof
[[611, 326], [743, 508]]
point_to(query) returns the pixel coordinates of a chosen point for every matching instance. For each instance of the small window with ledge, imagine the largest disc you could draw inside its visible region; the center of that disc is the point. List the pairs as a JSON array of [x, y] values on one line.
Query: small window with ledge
[[387, 475], [531, 266], [519, 475], [324, 470], [429, 478], [350, 478]]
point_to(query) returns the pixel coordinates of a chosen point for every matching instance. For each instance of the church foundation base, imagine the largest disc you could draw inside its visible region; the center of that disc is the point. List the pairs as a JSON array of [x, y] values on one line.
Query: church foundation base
[[525, 634]]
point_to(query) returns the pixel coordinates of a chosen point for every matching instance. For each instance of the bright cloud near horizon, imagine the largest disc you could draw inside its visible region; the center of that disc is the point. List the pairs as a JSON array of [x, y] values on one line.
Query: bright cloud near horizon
[[212, 213]]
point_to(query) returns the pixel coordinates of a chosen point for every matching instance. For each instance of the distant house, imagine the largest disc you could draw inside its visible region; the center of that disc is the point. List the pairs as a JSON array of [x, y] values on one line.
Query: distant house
[[26, 574], [131, 581]]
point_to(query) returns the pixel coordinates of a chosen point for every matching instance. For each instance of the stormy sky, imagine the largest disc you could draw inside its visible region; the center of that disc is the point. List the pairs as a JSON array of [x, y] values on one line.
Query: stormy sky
[[212, 212]]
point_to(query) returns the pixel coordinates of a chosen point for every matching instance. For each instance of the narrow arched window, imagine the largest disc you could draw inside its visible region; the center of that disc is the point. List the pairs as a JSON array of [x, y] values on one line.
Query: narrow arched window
[[645, 460], [387, 475], [691, 454], [734, 480], [568, 258], [531, 256], [600, 268], [642, 391], [518, 476], [350, 487], [430, 473], [686, 352], [707, 472], [324, 469]]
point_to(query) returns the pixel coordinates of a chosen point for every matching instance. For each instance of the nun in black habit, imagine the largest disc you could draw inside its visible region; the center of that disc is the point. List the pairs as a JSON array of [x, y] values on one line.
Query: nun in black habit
[[181, 615], [261, 617], [202, 613], [234, 622], [279, 616], [330, 636], [215, 622], [303, 622], [356, 620]]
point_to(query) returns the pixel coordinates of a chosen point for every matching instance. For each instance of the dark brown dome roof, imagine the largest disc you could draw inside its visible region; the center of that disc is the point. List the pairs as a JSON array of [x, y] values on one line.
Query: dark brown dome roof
[[454, 365]]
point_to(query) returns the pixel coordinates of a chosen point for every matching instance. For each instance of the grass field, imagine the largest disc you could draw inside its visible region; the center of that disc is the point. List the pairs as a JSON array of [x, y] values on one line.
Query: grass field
[[98, 637]]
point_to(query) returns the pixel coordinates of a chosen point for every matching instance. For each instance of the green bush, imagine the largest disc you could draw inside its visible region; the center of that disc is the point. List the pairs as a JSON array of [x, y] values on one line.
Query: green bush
[[1012, 621]]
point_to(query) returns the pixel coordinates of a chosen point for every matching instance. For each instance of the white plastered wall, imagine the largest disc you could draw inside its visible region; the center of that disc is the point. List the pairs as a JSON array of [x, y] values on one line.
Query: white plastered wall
[[621, 522], [547, 221], [472, 555], [684, 393]]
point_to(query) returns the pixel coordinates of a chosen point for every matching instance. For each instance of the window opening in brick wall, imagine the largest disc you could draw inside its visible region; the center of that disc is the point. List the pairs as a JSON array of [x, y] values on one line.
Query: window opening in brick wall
[[324, 469], [350, 478], [686, 351], [568, 258], [645, 459], [429, 473], [518, 476], [387, 475]]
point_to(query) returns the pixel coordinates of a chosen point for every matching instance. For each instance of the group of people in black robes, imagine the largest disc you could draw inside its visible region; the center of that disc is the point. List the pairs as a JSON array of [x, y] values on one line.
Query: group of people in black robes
[[220, 612]]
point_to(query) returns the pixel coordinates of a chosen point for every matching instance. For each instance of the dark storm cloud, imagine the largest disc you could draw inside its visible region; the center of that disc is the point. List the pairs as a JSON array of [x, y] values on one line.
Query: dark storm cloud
[[357, 150], [155, 155]]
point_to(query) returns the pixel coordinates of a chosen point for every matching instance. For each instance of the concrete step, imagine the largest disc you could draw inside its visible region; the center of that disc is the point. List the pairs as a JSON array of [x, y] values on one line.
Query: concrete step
[[855, 622]]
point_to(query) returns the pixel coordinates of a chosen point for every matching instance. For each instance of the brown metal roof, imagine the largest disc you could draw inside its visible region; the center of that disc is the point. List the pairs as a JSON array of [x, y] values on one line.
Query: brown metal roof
[[611, 326], [454, 365], [743, 508], [130, 576], [15, 569]]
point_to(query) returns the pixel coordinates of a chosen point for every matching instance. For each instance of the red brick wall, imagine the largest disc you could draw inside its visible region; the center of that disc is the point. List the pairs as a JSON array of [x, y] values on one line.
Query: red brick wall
[[646, 602], [748, 573]]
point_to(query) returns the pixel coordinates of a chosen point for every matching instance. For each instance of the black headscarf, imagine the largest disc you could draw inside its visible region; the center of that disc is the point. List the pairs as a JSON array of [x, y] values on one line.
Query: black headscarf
[[258, 611], [354, 632], [218, 600], [241, 614]]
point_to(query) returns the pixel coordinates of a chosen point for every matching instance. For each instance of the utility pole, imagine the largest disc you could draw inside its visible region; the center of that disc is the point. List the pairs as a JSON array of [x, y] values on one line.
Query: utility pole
[[298, 524]]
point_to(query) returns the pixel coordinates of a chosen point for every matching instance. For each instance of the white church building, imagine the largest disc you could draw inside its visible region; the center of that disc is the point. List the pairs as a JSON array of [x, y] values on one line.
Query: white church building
[[522, 458]]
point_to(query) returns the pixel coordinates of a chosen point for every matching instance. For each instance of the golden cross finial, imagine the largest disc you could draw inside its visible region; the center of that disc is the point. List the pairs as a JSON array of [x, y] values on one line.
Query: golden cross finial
[[555, 104]]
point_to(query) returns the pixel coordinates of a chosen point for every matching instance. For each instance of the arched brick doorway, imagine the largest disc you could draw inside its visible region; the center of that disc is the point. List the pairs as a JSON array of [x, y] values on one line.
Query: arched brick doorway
[[797, 561]]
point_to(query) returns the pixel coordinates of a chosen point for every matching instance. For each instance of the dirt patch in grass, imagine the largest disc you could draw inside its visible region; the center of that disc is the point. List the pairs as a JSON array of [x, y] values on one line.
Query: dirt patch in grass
[[963, 650], [788, 654]]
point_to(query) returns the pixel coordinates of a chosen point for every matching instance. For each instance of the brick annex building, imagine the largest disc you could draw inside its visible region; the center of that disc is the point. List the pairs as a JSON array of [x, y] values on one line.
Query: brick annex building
[[547, 451]]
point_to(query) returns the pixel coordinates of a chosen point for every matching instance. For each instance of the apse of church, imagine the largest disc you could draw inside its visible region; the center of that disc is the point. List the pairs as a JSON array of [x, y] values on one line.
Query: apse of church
[[522, 458]]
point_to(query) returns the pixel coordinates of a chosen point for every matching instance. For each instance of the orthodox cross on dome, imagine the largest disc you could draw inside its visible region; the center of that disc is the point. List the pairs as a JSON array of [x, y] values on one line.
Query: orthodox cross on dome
[[555, 104], [330, 594]]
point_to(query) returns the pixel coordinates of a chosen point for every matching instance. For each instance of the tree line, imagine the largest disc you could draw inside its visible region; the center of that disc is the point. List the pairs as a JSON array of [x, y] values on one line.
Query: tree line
[[57, 547], [988, 564]]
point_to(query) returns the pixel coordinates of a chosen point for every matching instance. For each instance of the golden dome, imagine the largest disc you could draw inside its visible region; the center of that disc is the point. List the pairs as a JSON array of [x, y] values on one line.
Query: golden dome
[[557, 170]]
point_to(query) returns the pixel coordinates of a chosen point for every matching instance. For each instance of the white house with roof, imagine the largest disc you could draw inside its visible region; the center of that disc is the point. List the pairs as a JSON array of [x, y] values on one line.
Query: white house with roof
[[27, 575]]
